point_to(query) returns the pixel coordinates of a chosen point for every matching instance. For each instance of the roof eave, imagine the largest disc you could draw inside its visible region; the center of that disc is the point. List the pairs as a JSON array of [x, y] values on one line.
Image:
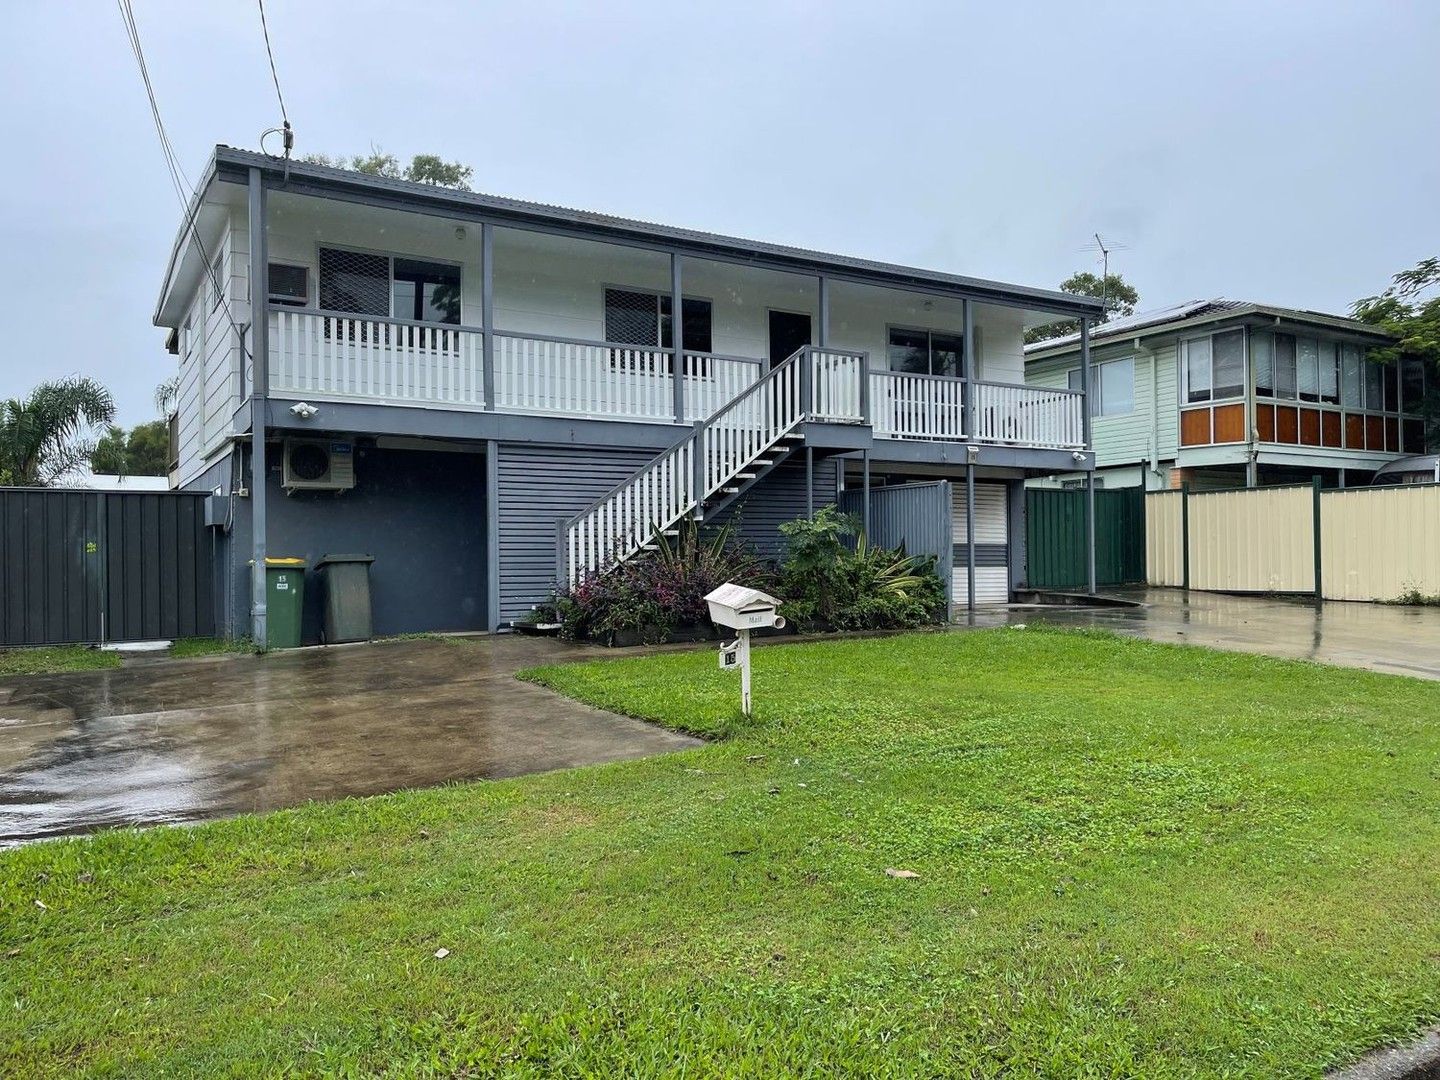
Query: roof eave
[[1247, 312], [297, 176]]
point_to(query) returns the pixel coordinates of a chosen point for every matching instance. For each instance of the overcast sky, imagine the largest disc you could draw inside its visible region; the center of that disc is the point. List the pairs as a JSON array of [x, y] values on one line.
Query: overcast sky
[[1283, 152]]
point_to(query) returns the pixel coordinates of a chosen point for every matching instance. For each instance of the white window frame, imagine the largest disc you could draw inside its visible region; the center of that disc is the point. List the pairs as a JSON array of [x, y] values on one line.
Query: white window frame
[[1097, 397], [1182, 363]]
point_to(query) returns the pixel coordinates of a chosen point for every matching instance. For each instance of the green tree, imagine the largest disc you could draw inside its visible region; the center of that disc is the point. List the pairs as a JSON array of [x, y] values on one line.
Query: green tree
[[142, 451], [1405, 311], [423, 168], [1119, 295], [49, 435]]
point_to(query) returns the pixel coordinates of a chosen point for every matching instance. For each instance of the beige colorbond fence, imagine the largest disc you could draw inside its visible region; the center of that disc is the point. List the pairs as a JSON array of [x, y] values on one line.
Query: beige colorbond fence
[[1164, 538], [1380, 543], [1373, 543]]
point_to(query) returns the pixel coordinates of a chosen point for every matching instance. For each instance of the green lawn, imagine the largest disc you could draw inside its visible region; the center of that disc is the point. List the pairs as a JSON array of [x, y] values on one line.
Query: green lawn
[[1133, 860], [55, 658]]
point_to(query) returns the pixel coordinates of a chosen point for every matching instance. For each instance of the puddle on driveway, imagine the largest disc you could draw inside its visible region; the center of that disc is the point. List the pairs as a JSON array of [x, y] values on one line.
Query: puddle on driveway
[[1377, 637], [177, 742]]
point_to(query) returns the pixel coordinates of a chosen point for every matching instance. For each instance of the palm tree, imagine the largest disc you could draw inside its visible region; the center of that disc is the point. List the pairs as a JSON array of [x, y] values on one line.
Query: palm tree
[[50, 434]]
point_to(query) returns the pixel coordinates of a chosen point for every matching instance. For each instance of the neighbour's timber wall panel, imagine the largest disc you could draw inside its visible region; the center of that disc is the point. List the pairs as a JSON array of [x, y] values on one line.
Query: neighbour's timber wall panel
[[1260, 540], [1380, 543], [536, 486], [86, 566], [1164, 542]]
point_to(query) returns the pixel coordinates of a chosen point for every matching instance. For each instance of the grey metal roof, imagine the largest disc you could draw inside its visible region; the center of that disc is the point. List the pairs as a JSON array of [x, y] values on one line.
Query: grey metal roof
[[1162, 320], [303, 176]]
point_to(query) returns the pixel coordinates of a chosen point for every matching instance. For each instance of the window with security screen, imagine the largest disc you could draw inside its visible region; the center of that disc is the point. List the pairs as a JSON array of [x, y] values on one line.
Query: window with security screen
[[355, 282], [640, 318]]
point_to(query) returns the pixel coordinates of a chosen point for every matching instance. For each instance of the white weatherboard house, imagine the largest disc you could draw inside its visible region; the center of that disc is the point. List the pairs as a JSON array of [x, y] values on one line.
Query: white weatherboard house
[[490, 396], [1227, 393]]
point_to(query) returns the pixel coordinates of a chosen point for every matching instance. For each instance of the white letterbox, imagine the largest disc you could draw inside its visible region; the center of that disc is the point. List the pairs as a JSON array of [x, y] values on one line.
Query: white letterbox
[[740, 608]]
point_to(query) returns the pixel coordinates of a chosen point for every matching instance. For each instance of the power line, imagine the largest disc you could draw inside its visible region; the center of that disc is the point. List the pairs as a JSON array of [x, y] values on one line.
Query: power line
[[183, 189], [274, 77]]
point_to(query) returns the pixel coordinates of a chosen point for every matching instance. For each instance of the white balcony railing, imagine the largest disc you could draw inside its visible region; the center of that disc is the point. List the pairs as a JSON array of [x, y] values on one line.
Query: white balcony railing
[[907, 406], [329, 355], [392, 361], [380, 360], [1029, 415]]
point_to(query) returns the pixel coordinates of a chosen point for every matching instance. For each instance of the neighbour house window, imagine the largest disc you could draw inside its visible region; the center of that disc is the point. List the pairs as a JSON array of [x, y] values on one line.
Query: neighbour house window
[[1329, 373], [1214, 366], [1285, 366], [288, 286], [362, 283], [1114, 391], [1262, 359], [217, 281], [1352, 394], [927, 352], [1374, 387], [633, 317], [1412, 386], [1307, 369], [1197, 365]]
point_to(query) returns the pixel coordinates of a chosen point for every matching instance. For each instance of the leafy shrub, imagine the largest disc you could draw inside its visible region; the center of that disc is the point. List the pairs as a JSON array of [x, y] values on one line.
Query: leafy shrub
[[827, 584], [658, 591]]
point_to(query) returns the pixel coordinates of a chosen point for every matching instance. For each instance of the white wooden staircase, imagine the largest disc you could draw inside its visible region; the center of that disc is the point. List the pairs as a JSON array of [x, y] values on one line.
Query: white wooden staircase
[[719, 460]]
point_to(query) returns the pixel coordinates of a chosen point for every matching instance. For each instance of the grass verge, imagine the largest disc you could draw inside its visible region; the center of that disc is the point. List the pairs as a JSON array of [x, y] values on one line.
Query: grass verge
[[55, 658], [1132, 859]]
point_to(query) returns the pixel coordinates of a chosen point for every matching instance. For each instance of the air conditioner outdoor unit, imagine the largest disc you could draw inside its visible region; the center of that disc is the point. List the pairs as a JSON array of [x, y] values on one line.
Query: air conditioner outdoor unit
[[319, 465]]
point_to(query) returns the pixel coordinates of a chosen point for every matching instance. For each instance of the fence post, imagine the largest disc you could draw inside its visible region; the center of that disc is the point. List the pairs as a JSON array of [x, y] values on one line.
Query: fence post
[[1185, 535], [1315, 516]]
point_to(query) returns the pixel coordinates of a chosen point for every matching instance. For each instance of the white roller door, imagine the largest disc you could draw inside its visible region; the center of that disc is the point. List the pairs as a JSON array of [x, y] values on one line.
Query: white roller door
[[992, 544]]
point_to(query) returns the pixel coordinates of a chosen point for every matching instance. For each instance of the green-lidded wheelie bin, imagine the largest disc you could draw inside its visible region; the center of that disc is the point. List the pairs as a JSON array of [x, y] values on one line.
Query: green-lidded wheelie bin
[[284, 601], [345, 597]]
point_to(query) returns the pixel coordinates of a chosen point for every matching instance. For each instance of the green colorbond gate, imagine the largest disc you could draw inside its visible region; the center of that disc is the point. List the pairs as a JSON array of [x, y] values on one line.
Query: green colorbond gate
[[1055, 537]]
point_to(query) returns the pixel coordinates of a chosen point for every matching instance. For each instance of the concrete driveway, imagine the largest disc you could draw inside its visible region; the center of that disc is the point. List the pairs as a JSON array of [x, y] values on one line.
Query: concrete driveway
[[176, 741], [1377, 637]]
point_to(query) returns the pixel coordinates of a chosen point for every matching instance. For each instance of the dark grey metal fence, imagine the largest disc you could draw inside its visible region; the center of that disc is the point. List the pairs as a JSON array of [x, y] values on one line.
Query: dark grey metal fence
[[98, 566]]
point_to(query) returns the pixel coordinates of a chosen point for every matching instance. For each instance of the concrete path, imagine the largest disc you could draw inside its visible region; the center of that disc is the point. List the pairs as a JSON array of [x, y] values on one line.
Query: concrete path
[[175, 741], [1378, 637]]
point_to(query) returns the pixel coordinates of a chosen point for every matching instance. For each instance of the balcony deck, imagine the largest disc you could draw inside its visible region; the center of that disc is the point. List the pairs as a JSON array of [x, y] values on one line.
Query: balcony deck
[[328, 356]]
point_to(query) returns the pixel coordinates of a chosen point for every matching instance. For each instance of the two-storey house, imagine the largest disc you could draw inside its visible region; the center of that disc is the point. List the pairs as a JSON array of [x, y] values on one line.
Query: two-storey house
[[491, 396], [1227, 393]]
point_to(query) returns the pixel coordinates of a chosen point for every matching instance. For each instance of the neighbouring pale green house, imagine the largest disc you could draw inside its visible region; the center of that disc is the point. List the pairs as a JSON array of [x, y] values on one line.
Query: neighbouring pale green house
[[1224, 393]]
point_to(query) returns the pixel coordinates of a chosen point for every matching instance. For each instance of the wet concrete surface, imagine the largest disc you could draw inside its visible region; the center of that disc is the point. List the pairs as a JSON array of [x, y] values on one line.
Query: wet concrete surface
[[164, 742], [1378, 637]]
